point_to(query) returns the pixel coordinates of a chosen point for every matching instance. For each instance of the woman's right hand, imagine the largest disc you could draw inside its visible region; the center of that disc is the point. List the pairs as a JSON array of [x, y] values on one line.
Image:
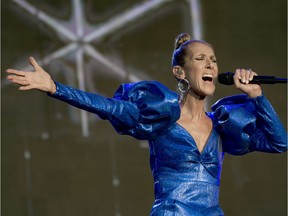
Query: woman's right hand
[[242, 77], [38, 79]]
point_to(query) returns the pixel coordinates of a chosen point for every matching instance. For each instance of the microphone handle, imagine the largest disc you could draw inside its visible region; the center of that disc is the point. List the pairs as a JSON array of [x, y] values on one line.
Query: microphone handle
[[267, 80]]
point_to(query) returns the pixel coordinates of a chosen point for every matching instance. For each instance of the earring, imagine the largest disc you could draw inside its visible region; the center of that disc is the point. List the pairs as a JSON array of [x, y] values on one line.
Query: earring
[[179, 71], [183, 85]]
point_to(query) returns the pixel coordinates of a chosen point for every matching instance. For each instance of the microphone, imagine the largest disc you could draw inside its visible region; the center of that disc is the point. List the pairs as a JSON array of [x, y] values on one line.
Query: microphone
[[227, 79]]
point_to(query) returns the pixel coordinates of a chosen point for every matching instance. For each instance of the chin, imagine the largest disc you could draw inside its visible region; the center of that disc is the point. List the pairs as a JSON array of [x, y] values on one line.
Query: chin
[[203, 95], [204, 91], [208, 92]]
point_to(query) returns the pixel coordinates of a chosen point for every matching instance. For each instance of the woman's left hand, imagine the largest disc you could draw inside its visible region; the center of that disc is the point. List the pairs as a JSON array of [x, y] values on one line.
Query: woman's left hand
[[242, 77]]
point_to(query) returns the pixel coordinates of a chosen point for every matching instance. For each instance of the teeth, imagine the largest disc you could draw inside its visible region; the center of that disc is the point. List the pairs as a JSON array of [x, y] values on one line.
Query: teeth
[[208, 75]]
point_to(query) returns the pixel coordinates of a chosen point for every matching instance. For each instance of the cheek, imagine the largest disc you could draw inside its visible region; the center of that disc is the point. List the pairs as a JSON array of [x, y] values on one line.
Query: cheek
[[194, 71], [192, 78], [216, 70]]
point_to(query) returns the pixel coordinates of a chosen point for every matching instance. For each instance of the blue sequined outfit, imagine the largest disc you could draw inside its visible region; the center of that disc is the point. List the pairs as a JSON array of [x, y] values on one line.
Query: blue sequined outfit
[[186, 182]]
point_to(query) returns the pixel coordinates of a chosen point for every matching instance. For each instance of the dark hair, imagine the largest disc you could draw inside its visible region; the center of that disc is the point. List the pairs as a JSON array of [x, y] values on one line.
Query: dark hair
[[182, 41]]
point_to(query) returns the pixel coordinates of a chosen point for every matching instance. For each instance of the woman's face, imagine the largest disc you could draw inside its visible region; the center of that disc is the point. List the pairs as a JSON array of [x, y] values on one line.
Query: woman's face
[[201, 69]]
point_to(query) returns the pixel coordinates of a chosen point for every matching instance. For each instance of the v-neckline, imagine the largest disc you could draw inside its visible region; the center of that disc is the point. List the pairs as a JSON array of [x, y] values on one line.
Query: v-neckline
[[190, 135]]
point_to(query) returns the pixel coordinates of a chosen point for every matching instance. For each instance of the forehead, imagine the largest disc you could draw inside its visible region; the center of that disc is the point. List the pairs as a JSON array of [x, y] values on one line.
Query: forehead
[[200, 48]]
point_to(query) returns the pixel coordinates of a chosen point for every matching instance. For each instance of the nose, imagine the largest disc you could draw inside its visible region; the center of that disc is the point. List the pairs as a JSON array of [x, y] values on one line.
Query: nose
[[209, 64]]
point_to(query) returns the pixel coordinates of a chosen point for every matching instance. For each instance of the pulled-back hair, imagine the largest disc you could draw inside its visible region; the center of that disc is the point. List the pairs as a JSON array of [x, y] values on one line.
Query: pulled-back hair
[[182, 42]]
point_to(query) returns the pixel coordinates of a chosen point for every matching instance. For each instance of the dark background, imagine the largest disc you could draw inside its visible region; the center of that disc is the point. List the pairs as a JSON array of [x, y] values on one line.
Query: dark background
[[53, 162]]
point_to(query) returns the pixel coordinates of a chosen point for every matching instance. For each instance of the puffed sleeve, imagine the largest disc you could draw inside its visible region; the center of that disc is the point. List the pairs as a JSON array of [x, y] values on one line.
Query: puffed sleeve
[[247, 125], [158, 108], [143, 109]]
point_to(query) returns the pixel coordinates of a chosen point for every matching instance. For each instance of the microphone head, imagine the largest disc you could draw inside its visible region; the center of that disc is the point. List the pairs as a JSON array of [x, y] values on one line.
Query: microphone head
[[226, 78]]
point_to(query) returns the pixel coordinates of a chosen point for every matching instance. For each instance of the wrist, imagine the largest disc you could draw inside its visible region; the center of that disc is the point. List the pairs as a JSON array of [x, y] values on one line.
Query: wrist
[[52, 87], [255, 94]]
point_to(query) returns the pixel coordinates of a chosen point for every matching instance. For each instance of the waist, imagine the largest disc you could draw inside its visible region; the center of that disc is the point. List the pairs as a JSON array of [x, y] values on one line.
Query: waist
[[193, 193], [194, 172]]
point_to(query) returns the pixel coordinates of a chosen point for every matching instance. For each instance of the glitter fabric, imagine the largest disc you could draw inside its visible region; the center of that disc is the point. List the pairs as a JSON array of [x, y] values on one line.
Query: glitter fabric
[[186, 181]]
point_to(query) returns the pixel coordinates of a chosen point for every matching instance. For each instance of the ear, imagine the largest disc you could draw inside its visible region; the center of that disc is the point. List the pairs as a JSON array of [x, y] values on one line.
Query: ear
[[178, 72]]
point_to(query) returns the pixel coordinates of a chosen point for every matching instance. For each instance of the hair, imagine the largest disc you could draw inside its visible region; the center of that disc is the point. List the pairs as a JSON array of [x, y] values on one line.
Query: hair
[[182, 42]]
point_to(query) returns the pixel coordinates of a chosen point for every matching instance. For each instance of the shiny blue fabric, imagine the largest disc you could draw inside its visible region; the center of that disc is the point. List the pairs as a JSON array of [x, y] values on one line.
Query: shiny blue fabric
[[186, 181], [248, 125]]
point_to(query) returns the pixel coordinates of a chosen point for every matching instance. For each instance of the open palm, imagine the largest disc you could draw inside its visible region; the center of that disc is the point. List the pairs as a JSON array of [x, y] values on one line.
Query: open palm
[[38, 79]]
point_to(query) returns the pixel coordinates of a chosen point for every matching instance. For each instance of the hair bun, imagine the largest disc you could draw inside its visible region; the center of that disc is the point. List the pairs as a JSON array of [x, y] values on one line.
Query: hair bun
[[181, 39]]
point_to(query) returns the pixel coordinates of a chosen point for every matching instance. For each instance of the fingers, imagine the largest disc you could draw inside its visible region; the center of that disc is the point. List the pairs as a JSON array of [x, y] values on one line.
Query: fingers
[[21, 77], [23, 88], [20, 80], [243, 76], [22, 73], [34, 63], [38, 79], [16, 72]]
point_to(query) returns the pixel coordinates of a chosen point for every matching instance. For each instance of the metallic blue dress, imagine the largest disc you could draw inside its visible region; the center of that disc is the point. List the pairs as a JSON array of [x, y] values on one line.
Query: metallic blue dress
[[186, 182]]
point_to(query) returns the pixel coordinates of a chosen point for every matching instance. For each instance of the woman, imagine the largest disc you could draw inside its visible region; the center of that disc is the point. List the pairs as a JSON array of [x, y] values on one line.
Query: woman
[[187, 144]]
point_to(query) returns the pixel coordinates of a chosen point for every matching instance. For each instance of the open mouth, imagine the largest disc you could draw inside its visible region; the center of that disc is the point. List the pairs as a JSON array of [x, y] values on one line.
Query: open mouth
[[207, 78]]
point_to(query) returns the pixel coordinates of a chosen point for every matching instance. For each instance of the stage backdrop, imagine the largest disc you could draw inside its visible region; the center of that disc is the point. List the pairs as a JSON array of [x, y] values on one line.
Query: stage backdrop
[[59, 161]]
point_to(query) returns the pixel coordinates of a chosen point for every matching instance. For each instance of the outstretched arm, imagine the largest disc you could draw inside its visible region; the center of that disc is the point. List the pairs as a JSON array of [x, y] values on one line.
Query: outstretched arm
[[124, 112], [38, 79], [143, 109]]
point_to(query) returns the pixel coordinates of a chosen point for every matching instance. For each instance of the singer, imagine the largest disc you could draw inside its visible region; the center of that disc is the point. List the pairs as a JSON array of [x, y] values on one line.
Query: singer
[[187, 145]]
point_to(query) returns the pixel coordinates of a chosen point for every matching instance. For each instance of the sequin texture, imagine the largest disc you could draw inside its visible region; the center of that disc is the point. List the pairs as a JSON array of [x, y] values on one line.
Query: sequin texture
[[186, 182]]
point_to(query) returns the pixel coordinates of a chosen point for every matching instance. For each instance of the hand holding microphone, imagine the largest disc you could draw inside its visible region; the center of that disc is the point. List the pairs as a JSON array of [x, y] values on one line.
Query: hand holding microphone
[[227, 79], [242, 77]]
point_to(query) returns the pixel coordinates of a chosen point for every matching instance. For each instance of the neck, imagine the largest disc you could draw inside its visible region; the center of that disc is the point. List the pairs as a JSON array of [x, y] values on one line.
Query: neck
[[193, 107]]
